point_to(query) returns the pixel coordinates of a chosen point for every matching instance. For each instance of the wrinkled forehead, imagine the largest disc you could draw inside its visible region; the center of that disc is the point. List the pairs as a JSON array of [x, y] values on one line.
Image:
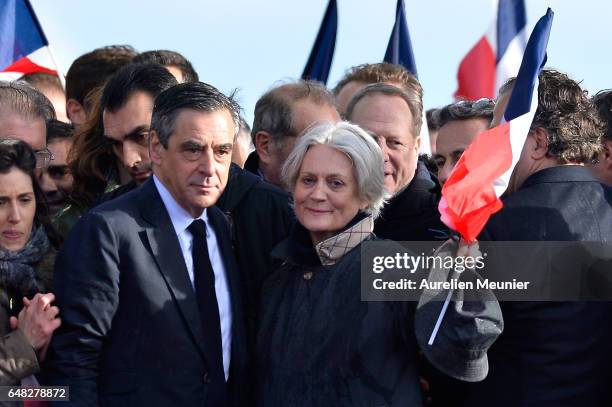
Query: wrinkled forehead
[[215, 126], [32, 130]]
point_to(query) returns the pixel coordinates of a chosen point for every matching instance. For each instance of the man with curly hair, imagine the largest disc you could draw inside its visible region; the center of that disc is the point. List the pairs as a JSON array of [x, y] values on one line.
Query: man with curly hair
[[552, 353]]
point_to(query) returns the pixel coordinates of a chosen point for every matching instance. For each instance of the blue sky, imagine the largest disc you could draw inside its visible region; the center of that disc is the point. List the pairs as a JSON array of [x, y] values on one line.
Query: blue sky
[[251, 45]]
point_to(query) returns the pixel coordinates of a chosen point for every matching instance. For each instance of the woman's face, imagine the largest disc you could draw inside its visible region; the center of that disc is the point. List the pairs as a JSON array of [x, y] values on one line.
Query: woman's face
[[326, 195], [17, 209]]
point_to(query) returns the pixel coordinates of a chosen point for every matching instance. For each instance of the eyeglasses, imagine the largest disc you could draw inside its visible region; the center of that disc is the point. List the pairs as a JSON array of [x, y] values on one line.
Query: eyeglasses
[[43, 158]]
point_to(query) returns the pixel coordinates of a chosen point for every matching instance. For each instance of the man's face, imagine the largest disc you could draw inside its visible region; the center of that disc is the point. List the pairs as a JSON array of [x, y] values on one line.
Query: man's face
[[453, 138], [34, 133], [196, 163], [56, 180], [304, 114], [388, 118], [128, 130]]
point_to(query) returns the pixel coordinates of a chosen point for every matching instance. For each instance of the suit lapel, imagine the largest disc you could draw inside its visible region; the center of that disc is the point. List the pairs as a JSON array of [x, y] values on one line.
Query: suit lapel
[[166, 250]]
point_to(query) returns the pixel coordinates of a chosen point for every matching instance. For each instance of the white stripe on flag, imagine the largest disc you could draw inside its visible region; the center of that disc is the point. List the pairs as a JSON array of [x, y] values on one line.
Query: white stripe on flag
[[519, 129], [509, 64]]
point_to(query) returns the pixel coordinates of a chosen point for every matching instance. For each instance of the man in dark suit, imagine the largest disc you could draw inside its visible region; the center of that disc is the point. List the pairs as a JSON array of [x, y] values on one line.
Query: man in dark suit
[[552, 353], [147, 283]]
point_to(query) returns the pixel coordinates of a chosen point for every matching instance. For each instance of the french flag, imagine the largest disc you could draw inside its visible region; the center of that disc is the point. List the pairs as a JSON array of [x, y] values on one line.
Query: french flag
[[399, 51], [482, 174], [24, 48], [496, 57]]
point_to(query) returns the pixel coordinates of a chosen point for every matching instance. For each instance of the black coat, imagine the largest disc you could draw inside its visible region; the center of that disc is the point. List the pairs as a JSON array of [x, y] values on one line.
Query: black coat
[[320, 345], [412, 214], [260, 217], [551, 353], [131, 332]]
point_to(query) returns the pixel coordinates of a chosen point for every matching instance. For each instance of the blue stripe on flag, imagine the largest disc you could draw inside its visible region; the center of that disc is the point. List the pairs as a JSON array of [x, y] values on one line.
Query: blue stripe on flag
[[534, 60], [511, 19], [320, 60], [399, 49], [20, 33]]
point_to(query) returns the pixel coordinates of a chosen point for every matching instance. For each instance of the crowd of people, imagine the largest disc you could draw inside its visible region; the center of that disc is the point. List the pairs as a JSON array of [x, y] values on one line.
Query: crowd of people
[[157, 250]]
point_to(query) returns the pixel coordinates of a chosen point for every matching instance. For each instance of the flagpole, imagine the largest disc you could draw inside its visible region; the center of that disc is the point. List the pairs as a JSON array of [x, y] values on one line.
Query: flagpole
[[60, 73]]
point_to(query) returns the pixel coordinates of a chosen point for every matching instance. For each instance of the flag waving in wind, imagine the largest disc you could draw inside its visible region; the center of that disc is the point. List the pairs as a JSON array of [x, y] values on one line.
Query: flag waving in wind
[[24, 48], [496, 57], [399, 51], [320, 60], [471, 194]]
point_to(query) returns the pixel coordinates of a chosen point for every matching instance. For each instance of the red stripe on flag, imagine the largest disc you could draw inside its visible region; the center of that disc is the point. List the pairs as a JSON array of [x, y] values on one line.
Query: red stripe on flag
[[25, 66], [468, 197], [476, 74]]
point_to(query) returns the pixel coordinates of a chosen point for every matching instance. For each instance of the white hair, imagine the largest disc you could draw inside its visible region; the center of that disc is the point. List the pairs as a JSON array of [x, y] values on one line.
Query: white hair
[[363, 152]]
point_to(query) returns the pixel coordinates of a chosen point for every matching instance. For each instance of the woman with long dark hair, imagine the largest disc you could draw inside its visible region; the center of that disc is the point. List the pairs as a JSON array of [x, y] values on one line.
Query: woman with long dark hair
[[27, 252]]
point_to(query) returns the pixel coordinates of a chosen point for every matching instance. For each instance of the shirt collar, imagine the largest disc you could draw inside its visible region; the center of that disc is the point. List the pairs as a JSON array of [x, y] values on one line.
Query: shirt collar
[[332, 249], [180, 218]]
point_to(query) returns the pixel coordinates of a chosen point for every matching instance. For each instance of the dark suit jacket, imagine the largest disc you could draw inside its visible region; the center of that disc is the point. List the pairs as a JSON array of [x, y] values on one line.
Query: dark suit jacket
[[551, 353], [260, 218], [131, 332], [412, 214]]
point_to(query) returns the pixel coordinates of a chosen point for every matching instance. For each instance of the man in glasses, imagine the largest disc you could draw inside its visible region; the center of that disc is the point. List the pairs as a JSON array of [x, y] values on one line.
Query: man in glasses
[[459, 123], [127, 105], [24, 112]]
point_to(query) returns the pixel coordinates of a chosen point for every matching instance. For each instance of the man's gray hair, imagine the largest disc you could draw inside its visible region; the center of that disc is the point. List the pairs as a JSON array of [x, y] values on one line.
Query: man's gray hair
[[465, 110], [414, 100], [21, 98], [363, 152]]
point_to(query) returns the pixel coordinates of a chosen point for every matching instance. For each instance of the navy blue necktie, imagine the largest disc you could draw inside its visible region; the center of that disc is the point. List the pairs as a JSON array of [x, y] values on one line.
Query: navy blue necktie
[[204, 282]]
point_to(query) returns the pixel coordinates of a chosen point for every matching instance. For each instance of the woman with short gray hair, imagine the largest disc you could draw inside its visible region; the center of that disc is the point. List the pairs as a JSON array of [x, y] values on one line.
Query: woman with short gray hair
[[318, 344]]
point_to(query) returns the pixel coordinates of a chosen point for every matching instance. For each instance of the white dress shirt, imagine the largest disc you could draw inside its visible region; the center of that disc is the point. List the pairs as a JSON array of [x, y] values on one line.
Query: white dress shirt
[[181, 220]]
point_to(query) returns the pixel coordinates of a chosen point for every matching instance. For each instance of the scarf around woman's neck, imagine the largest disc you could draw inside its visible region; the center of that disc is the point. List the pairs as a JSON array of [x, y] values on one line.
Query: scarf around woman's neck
[[17, 273]]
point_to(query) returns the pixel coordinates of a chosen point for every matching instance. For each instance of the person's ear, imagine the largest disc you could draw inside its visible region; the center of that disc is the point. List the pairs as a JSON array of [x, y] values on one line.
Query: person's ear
[[75, 112], [364, 204], [417, 145], [155, 148], [540, 149], [605, 157], [264, 145]]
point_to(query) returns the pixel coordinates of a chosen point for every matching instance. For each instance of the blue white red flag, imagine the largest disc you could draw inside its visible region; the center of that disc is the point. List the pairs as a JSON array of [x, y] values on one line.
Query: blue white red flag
[[496, 57], [24, 48], [399, 51], [320, 60], [482, 174]]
